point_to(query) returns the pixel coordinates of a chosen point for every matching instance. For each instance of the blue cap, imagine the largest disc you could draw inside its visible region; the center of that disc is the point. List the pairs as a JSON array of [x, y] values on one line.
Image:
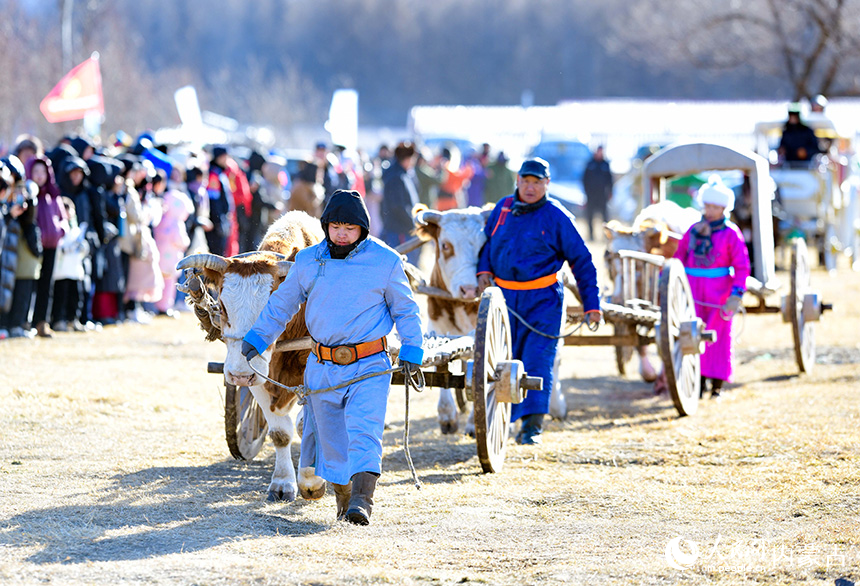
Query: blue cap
[[536, 167]]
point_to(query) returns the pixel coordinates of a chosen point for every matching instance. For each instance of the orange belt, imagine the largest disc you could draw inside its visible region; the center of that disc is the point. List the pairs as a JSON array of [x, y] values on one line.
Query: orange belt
[[526, 285], [349, 353]]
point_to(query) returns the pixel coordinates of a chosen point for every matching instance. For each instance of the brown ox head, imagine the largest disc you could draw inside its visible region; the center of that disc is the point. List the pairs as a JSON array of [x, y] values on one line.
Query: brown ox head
[[244, 283], [459, 236], [656, 230]]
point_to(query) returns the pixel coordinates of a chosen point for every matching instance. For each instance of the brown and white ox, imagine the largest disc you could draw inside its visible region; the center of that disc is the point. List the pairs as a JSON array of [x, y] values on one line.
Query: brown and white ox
[[656, 230], [458, 236], [243, 286]]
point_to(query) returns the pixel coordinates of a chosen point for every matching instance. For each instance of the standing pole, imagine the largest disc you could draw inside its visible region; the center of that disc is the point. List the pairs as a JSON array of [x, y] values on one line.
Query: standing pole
[[67, 34]]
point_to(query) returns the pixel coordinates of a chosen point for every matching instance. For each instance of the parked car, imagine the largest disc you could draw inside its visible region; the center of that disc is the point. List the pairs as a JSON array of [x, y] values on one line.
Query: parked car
[[567, 160]]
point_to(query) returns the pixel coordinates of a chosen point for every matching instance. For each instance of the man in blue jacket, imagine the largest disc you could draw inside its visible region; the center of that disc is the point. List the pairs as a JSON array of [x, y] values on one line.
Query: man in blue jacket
[[356, 290], [529, 237]]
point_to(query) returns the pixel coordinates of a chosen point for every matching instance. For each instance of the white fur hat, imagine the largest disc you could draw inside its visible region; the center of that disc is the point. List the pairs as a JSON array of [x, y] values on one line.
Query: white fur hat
[[716, 192]]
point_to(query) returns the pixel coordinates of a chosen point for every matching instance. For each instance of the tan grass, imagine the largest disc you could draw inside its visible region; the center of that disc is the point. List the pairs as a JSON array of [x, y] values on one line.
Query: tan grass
[[114, 470]]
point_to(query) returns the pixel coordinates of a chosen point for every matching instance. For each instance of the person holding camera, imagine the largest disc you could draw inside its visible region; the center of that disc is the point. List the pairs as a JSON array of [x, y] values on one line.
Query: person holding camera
[[10, 210], [27, 253]]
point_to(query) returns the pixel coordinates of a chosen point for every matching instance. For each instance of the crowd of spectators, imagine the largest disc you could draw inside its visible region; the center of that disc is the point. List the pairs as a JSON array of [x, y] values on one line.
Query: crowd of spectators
[[91, 234]]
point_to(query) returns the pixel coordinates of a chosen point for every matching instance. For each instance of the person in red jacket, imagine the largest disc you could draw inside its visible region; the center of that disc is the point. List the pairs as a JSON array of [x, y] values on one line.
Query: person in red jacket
[[242, 200]]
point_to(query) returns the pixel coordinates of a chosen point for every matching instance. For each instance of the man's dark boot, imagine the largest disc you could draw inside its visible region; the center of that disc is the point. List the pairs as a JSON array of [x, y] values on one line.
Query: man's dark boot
[[361, 502], [342, 493], [531, 430]]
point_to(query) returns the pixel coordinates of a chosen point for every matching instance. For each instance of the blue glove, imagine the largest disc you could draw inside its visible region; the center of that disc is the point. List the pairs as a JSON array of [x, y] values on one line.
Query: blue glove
[[409, 368], [248, 350]]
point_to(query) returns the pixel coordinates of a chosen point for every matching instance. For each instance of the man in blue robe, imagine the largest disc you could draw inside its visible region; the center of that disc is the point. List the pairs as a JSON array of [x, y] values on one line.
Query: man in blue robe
[[529, 237], [356, 290]]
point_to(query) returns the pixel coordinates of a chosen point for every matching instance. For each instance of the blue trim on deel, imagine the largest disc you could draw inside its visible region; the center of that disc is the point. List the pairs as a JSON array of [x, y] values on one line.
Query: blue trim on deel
[[709, 272], [256, 341], [413, 354]]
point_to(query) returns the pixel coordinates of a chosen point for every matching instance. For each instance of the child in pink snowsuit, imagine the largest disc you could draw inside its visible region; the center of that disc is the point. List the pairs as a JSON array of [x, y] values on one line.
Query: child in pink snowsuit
[[171, 237], [717, 266]]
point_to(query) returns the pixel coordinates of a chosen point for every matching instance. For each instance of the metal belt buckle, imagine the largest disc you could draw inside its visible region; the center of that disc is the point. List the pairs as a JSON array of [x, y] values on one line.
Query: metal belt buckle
[[342, 355]]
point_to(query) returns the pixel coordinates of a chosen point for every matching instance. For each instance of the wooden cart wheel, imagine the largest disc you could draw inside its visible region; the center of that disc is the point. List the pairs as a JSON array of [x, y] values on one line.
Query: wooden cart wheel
[[683, 371], [802, 330], [244, 423], [623, 354], [492, 344]]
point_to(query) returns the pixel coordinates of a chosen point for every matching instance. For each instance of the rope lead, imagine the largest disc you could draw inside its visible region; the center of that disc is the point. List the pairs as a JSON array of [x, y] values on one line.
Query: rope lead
[[414, 380], [591, 327]]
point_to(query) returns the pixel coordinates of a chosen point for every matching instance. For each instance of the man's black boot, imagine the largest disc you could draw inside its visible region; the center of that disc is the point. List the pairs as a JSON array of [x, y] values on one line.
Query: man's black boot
[[361, 501], [531, 430], [342, 494]]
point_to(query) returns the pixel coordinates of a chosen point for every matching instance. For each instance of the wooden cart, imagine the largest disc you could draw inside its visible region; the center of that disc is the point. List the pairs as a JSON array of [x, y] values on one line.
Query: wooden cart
[[654, 305], [801, 306], [492, 381]]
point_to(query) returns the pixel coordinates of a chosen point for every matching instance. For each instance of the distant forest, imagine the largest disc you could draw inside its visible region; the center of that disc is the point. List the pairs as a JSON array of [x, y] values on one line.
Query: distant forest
[[276, 62]]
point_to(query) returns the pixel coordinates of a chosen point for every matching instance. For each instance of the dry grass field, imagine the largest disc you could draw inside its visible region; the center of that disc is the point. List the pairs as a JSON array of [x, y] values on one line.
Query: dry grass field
[[114, 470]]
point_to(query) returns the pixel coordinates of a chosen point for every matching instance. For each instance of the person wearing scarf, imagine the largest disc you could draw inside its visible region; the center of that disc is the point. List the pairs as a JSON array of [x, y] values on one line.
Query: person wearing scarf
[[356, 290], [529, 237], [53, 223], [717, 265]]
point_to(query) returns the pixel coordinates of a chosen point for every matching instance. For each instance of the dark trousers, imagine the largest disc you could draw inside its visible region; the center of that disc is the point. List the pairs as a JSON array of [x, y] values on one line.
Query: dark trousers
[[592, 208], [67, 301], [45, 287], [22, 301]]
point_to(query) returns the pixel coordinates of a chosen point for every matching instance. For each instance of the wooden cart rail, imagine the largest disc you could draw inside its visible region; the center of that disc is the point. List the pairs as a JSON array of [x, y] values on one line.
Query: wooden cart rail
[[640, 279]]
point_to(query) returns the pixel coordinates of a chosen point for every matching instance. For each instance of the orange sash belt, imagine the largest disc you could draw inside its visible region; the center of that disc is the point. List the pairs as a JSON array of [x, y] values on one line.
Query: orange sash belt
[[349, 353], [539, 283]]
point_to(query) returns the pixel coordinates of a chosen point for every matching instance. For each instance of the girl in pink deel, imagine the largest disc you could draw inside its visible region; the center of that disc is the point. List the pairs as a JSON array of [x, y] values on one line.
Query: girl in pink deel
[[717, 265]]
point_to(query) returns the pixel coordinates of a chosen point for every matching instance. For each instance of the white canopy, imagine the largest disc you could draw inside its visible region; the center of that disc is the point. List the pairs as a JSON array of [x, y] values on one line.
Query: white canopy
[[689, 159]]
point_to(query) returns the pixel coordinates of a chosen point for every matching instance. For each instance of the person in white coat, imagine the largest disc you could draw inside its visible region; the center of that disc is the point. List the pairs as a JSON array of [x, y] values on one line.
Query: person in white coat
[[69, 274]]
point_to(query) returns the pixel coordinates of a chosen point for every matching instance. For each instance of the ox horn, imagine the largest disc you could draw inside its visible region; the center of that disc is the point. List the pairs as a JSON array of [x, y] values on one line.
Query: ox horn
[[204, 261], [284, 267], [425, 217]]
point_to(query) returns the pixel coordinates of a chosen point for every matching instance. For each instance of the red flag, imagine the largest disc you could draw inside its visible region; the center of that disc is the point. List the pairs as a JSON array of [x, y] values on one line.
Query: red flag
[[79, 92]]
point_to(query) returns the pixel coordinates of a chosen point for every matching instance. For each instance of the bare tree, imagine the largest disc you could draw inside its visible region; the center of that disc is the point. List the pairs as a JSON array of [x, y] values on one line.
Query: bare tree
[[812, 46]]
